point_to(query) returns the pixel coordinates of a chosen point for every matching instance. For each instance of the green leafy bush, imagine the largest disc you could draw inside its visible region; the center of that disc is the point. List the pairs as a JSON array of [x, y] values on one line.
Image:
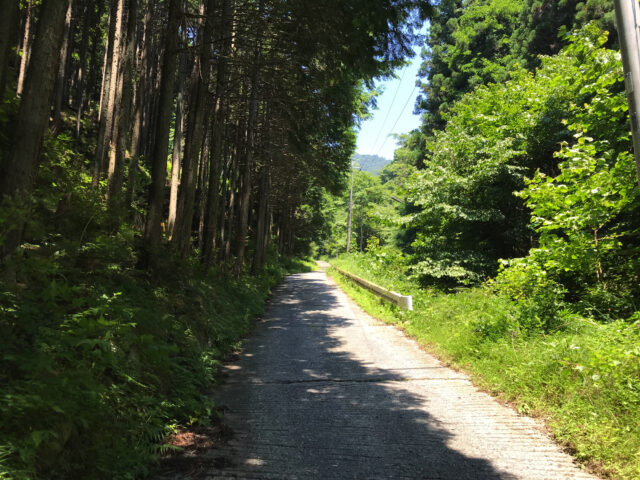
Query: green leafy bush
[[385, 258], [541, 300], [561, 137], [101, 361], [585, 215]]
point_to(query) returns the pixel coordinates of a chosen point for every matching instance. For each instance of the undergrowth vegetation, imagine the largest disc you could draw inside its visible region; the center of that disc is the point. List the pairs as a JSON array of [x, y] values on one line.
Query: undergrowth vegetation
[[578, 374], [101, 361]]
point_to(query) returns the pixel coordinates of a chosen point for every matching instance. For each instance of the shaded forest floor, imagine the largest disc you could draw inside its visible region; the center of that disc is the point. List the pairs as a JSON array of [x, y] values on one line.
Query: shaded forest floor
[[101, 361]]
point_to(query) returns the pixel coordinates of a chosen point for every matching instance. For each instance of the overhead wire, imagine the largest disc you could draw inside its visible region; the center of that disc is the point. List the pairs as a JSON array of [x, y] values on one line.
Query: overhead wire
[[397, 119], [395, 95], [384, 122]]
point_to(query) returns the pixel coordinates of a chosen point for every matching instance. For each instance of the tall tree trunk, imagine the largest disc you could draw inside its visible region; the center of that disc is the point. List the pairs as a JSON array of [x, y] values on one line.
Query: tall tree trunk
[[153, 228], [176, 158], [217, 147], [224, 196], [262, 227], [140, 95], [291, 241], [244, 199], [233, 194], [95, 64], [195, 133], [62, 71], [106, 93], [70, 48], [245, 196], [152, 107], [141, 79], [203, 178], [27, 44], [31, 122], [8, 22], [213, 197], [184, 92], [122, 117], [114, 105], [89, 18]]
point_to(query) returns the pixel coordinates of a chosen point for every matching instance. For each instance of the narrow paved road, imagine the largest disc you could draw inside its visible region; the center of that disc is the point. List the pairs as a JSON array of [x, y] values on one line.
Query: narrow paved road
[[324, 391]]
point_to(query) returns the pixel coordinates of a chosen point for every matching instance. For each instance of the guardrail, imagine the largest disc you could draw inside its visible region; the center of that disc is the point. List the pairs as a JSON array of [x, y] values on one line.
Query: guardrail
[[403, 301]]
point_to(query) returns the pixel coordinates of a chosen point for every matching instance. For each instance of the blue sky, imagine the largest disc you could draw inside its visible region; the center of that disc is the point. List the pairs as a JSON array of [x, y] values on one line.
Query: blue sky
[[395, 106]]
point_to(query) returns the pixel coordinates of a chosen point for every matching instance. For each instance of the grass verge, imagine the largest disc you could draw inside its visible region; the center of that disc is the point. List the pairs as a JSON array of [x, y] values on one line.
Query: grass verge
[[583, 380]]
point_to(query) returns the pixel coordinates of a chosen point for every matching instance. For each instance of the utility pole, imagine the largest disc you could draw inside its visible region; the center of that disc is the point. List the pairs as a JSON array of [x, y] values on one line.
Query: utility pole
[[627, 18], [350, 211]]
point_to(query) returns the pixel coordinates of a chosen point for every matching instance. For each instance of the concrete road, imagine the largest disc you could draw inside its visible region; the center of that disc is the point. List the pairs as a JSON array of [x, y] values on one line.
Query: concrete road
[[324, 391]]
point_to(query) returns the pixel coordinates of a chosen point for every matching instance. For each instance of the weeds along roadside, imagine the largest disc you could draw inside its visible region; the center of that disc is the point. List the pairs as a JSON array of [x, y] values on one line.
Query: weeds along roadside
[[583, 378], [101, 361]]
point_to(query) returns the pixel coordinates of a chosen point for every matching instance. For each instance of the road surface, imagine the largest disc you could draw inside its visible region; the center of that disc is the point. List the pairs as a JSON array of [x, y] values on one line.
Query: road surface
[[323, 391]]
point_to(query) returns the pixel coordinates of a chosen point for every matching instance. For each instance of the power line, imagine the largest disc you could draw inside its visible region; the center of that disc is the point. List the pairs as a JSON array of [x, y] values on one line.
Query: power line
[[395, 95], [397, 119], [384, 122]]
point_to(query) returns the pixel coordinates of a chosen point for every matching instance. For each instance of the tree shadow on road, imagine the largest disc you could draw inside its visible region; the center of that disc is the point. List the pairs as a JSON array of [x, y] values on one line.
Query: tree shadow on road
[[300, 406]]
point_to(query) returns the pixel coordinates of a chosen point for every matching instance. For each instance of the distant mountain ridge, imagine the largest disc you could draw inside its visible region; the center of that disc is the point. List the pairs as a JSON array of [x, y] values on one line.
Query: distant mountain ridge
[[370, 163]]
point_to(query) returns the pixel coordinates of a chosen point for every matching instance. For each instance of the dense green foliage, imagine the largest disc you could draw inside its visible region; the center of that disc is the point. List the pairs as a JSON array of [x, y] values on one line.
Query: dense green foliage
[[583, 379], [559, 136], [476, 42], [517, 230], [468, 216], [540, 21], [100, 361], [585, 215], [467, 46]]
